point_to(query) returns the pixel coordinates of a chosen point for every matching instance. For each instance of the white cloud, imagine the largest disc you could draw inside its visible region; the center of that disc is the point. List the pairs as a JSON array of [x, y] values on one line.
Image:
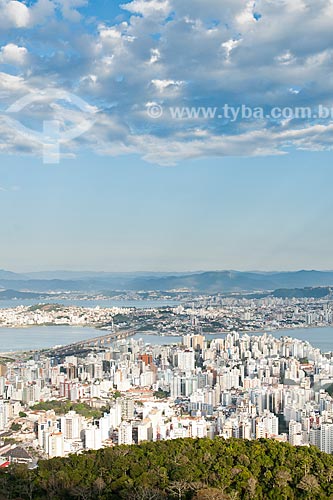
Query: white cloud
[[69, 9], [167, 85], [155, 56], [11, 83], [41, 11], [12, 54], [148, 7], [14, 14], [178, 53], [229, 46], [245, 17]]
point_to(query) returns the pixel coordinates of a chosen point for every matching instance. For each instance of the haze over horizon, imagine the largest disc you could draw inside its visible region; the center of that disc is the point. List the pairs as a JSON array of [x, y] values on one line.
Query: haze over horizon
[[82, 271]]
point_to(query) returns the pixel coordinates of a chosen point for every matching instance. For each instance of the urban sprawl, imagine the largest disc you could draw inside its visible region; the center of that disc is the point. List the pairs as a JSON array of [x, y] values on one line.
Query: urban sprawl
[[230, 384], [214, 313]]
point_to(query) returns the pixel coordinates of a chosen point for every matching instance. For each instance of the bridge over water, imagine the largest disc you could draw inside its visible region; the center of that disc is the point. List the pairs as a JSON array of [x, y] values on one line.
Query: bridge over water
[[100, 341]]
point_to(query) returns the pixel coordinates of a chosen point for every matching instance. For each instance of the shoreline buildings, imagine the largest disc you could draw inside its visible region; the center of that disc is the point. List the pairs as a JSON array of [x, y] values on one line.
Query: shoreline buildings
[[241, 386]]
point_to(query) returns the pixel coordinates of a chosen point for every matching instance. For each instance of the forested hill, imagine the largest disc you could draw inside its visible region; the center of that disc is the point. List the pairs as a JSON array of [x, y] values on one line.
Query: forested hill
[[201, 282], [183, 469]]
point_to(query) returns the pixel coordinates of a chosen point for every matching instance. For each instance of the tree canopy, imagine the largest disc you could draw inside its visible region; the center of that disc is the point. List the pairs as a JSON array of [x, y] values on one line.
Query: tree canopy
[[182, 469]]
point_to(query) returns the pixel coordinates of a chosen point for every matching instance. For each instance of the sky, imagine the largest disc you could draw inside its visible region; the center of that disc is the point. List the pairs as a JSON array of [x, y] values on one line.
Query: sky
[[99, 172]]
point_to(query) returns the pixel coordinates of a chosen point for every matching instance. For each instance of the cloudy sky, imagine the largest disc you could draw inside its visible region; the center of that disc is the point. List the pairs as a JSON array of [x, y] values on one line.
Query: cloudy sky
[[96, 172]]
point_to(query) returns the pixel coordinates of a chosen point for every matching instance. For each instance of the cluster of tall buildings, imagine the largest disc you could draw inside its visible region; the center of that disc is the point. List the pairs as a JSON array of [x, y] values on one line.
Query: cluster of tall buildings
[[245, 386]]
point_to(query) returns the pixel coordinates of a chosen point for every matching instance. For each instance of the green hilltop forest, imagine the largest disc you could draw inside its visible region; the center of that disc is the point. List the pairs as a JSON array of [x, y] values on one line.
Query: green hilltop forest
[[183, 469]]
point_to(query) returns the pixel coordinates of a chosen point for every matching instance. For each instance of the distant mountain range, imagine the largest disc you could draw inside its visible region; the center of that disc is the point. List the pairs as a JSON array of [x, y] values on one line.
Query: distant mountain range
[[205, 282], [234, 281]]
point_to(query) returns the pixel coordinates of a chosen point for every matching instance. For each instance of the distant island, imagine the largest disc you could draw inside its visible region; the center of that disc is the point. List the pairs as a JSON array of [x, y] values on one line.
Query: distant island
[[17, 295]]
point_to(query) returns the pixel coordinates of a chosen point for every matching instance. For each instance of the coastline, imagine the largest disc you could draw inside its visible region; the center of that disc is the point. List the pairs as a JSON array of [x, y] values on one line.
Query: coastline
[[34, 338], [99, 326], [52, 325]]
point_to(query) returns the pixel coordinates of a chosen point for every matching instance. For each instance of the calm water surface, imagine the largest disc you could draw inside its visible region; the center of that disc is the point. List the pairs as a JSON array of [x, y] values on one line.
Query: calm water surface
[[38, 337], [139, 304]]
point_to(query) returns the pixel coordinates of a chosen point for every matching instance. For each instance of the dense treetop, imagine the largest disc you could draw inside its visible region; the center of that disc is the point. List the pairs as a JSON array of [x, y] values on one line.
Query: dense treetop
[[183, 469]]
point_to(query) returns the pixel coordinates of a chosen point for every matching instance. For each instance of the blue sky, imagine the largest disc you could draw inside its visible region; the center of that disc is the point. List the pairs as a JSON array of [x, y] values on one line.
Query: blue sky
[[127, 214], [136, 192]]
